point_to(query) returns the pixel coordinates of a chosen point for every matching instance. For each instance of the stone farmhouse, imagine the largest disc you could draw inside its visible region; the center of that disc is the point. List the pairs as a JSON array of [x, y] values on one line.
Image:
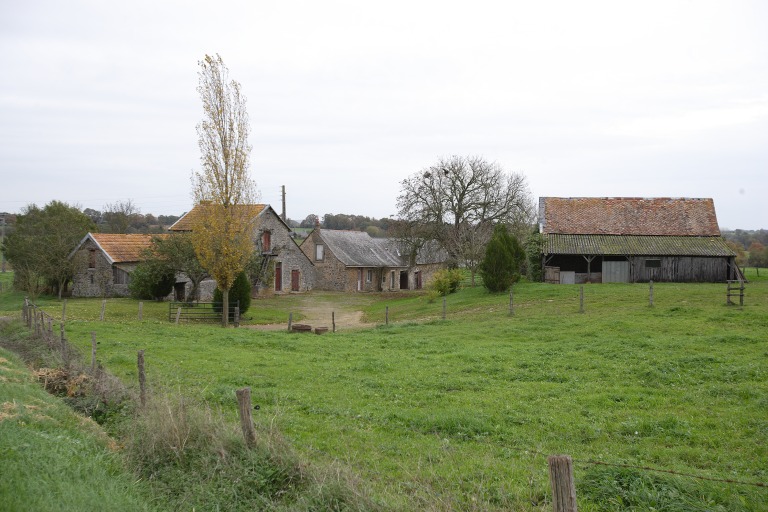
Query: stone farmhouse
[[624, 239], [105, 261], [285, 268], [353, 261]]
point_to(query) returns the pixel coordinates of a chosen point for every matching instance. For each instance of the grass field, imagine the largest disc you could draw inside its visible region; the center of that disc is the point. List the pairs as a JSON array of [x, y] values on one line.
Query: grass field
[[460, 414]]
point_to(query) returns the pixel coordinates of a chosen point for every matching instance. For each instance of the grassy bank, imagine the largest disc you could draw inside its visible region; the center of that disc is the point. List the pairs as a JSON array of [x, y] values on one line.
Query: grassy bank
[[53, 459]]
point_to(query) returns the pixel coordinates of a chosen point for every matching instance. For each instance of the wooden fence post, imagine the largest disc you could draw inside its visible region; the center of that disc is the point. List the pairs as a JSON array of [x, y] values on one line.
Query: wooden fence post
[[64, 311], [562, 482], [178, 315], [93, 352], [581, 299], [511, 306], [333, 320], [244, 409], [141, 311], [290, 321], [142, 378], [443, 307], [650, 294], [386, 316], [237, 316], [103, 308]]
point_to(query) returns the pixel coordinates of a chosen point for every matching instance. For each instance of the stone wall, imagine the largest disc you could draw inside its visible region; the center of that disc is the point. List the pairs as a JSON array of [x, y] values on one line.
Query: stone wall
[[330, 273], [284, 250], [94, 274]]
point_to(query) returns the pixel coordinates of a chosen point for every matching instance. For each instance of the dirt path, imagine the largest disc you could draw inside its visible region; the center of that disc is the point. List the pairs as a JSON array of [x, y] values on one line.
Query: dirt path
[[318, 312]]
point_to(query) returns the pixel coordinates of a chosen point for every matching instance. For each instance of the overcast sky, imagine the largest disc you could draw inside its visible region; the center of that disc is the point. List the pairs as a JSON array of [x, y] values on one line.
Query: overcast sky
[[98, 99]]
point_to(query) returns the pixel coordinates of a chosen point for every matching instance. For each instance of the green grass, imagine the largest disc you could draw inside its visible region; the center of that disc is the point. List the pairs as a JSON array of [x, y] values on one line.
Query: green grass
[[460, 414], [51, 458]]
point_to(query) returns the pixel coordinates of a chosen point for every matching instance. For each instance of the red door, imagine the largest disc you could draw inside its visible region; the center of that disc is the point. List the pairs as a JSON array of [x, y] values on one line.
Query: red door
[[294, 280]]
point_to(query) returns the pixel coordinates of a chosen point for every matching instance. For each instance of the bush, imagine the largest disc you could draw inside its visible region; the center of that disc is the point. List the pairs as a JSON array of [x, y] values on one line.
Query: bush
[[151, 280], [447, 281], [240, 291], [503, 258]]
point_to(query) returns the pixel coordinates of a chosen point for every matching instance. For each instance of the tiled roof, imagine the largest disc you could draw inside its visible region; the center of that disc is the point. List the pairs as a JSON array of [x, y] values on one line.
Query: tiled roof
[[628, 216], [359, 249], [637, 245], [187, 221], [124, 248]]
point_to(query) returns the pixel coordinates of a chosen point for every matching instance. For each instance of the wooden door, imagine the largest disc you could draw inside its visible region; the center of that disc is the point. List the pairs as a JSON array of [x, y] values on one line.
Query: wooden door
[[294, 280], [278, 276]]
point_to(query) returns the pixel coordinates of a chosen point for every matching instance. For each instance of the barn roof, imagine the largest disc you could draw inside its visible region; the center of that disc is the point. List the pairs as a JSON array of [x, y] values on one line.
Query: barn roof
[[638, 245], [661, 216], [120, 248], [359, 249], [188, 220]]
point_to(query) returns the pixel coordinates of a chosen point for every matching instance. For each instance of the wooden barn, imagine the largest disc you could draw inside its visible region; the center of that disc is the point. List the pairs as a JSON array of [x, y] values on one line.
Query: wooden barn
[[631, 240]]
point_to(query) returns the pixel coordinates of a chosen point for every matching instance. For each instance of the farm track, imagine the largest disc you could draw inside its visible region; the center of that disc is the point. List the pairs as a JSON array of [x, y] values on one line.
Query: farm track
[[318, 312]]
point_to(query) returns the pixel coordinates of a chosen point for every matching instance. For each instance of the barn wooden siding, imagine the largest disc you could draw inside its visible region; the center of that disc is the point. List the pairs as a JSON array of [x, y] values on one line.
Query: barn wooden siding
[[685, 269]]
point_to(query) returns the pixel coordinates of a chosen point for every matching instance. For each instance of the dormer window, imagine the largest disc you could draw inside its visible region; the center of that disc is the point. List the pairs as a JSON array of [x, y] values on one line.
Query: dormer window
[[319, 252]]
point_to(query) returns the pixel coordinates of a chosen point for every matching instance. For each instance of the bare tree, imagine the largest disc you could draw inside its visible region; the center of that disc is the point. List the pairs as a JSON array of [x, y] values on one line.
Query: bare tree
[[222, 233], [120, 215], [458, 200]]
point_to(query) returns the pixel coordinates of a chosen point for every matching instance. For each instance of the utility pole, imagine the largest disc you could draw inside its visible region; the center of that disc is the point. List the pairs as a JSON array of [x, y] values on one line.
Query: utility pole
[[2, 240], [283, 215]]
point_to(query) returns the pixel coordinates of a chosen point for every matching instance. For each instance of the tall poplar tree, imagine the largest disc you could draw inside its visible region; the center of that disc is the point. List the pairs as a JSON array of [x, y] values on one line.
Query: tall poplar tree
[[222, 232]]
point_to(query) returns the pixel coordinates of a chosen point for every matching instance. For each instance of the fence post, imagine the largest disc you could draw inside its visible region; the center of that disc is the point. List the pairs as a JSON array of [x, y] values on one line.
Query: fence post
[[333, 320], [49, 334], [178, 315], [443, 307], [103, 308], [141, 311], [290, 321], [581, 299], [64, 311], [561, 480], [237, 316], [386, 316], [142, 378], [244, 410], [650, 294], [93, 352], [511, 305]]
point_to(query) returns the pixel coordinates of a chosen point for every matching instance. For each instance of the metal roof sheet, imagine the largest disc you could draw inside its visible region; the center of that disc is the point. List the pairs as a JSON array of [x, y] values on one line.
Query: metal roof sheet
[[641, 245]]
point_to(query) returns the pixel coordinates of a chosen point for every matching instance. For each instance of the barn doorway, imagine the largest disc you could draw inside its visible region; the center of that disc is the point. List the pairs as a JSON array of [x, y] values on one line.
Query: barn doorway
[[615, 271], [403, 280]]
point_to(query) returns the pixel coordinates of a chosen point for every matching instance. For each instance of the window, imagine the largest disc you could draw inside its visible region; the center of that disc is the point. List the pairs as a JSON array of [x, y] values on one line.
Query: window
[[319, 252], [369, 276], [392, 280], [119, 276], [655, 263], [92, 258]]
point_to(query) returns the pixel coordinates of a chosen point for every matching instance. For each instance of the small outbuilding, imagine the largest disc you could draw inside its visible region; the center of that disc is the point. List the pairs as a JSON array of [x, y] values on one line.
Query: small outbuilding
[[105, 261], [623, 239]]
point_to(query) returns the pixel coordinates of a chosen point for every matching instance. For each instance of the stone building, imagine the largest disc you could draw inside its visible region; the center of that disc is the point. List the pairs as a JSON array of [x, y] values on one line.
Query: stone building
[[285, 268], [105, 261]]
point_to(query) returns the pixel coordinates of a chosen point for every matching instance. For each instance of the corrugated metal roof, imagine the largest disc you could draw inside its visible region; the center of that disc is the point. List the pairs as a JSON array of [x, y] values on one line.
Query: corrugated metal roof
[[359, 249], [628, 216], [640, 245]]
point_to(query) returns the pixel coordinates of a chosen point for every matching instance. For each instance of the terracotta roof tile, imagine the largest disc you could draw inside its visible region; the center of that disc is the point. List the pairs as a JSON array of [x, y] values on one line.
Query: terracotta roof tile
[[124, 248], [188, 220], [628, 216]]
